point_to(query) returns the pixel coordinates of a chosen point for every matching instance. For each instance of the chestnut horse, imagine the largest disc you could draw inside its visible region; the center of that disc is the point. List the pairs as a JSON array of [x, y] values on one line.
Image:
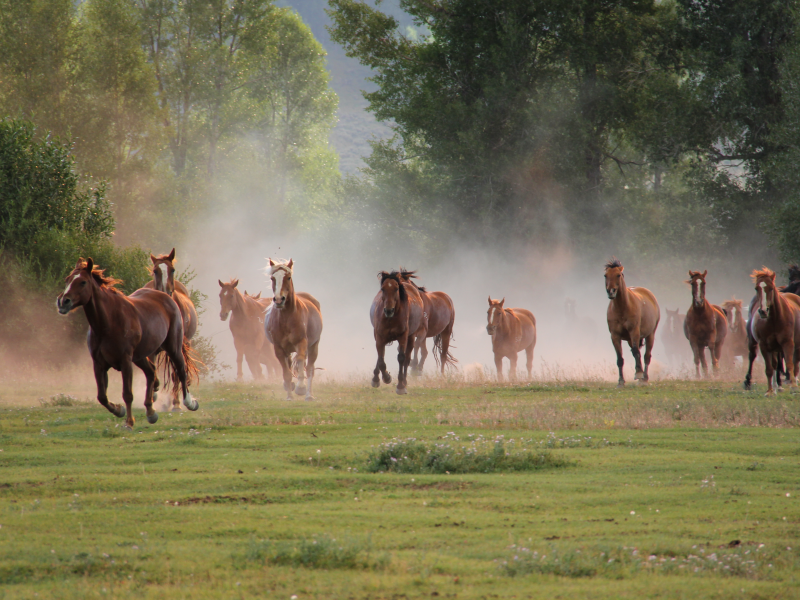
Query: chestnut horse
[[126, 331], [396, 315], [673, 338], [512, 330], [775, 327], [633, 315], [705, 326], [247, 326], [736, 342], [438, 314], [164, 281], [294, 327]]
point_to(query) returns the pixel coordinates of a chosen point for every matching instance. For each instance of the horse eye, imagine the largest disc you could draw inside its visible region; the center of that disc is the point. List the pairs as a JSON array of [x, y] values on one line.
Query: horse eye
[[172, 270], [83, 283]]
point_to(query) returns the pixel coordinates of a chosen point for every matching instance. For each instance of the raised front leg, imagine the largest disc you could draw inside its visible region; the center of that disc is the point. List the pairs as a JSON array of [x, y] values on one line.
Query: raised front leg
[[127, 390], [301, 353], [617, 341], [101, 379], [283, 359], [380, 366], [149, 373]]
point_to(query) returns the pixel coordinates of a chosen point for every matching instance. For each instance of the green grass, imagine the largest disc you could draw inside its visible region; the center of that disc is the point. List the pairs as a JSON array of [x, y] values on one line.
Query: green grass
[[675, 490]]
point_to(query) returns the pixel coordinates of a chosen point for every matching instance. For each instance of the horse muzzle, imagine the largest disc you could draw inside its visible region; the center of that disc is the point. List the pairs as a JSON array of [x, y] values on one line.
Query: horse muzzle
[[64, 306], [764, 314], [279, 304], [490, 330], [388, 312], [611, 293], [223, 316]]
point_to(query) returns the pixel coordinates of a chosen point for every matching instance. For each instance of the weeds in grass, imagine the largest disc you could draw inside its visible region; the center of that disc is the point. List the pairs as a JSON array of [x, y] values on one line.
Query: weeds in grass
[[475, 454], [62, 400], [321, 552]]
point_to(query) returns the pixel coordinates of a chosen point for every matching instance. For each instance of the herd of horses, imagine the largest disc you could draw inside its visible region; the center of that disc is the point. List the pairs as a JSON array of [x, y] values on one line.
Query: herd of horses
[[153, 328]]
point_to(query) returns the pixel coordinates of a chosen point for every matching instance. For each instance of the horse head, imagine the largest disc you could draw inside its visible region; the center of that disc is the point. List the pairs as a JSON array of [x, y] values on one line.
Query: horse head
[[765, 290], [733, 308], [80, 285], [393, 292], [280, 274], [227, 298], [494, 316], [698, 282], [614, 277], [164, 272]]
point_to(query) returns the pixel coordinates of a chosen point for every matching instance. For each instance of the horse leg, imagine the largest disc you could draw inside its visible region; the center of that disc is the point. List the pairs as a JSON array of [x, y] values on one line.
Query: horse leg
[[752, 350], [649, 341], [512, 370], [529, 360], [404, 346], [301, 351], [620, 361], [498, 364], [790, 371], [149, 372], [380, 366], [127, 390], [636, 344], [423, 355], [779, 370], [769, 368], [283, 359], [313, 351], [255, 367], [101, 379]]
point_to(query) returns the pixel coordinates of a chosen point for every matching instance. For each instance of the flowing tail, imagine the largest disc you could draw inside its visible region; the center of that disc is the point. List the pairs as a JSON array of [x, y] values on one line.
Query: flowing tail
[[449, 359], [191, 361]]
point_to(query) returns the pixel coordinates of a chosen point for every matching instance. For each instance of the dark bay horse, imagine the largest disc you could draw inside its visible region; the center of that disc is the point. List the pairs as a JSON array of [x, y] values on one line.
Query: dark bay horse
[[775, 328], [674, 339], [438, 314], [633, 315], [706, 325], [294, 327], [396, 315], [164, 281], [513, 330], [247, 326], [126, 331], [736, 342]]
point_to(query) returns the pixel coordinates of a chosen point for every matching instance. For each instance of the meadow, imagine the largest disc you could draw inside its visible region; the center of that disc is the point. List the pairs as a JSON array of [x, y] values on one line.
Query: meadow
[[568, 489]]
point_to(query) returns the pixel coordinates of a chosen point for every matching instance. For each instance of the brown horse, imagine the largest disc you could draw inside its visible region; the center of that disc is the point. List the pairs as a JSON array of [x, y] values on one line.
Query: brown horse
[[294, 327], [126, 331], [775, 326], [164, 281], [706, 325], [736, 342], [438, 314], [247, 326], [512, 330], [633, 315], [673, 338], [396, 315]]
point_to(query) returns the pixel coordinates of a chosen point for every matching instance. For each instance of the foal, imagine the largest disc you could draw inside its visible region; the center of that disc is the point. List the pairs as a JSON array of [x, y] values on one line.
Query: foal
[[705, 325], [632, 316]]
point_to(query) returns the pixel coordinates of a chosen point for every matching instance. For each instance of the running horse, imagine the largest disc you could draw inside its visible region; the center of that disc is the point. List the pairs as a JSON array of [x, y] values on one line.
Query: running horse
[[775, 328], [633, 315], [513, 330], [164, 281], [706, 325], [736, 342], [126, 331], [439, 315], [248, 314], [396, 315], [294, 327]]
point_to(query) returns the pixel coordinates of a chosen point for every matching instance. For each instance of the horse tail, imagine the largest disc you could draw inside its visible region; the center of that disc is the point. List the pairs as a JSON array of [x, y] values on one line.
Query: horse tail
[[193, 365], [449, 359]]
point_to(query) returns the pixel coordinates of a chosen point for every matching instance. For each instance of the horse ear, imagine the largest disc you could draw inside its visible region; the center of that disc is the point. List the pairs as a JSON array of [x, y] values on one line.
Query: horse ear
[[502, 302], [291, 262], [490, 300], [89, 265], [172, 254], [271, 263], [153, 258], [79, 264], [771, 276], [621, 269], [705, 273], [235, 282]]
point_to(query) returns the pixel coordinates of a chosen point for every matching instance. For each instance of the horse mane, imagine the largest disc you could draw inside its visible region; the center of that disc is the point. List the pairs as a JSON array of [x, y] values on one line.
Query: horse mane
[[407, 276], [762, 272], [613, 263], [397, 276], [794, 272], [99, 275], [280, 264]]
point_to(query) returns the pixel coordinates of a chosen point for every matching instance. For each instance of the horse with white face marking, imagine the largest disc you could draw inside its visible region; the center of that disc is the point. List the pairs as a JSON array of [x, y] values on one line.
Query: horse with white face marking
[[705, 326], [513, 330], [775, 327], [126, 331], [294, 327], [164, 281], [633, 315]]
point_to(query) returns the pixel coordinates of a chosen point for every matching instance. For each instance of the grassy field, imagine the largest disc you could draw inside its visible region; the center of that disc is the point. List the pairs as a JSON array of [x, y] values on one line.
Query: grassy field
[[675, 490]]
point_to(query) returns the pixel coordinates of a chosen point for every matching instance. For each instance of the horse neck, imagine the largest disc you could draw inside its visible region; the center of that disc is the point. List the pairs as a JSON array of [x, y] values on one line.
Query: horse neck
[[291, 298], [506, 319], [96, 309], [623, 295], [239, 303], [780, 306]]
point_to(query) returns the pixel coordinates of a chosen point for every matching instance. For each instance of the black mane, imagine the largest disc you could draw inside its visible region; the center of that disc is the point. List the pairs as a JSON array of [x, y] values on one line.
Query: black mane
[[613, 263], [794, 274], [397, 277]]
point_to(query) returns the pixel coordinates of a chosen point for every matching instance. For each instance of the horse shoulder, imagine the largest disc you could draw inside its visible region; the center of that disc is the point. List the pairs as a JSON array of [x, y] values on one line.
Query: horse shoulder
[[179, 287], [310, 298]]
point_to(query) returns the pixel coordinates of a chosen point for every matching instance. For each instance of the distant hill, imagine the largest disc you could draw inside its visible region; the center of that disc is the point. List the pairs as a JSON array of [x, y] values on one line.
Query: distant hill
[[356, 126]]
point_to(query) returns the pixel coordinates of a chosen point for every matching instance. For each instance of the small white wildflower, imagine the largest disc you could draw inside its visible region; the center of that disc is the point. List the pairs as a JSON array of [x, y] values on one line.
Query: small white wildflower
[[633, 512]]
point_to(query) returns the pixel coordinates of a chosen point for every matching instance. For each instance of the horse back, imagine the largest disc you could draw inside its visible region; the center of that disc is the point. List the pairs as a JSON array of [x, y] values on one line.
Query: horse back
[[158, 316], [721, 322], [314, 316], [441, 312], [416, 308], [650, 311]]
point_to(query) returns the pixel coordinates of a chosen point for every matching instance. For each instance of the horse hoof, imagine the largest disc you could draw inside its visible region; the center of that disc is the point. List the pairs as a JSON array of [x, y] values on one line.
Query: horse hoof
[[387, 379], [621, 384], [376, 383], [309, 398], [638, 376], [152, 418], [289, 396], [176, 408], [190, 402], [401, 391], [119, 410], [300, 390]]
